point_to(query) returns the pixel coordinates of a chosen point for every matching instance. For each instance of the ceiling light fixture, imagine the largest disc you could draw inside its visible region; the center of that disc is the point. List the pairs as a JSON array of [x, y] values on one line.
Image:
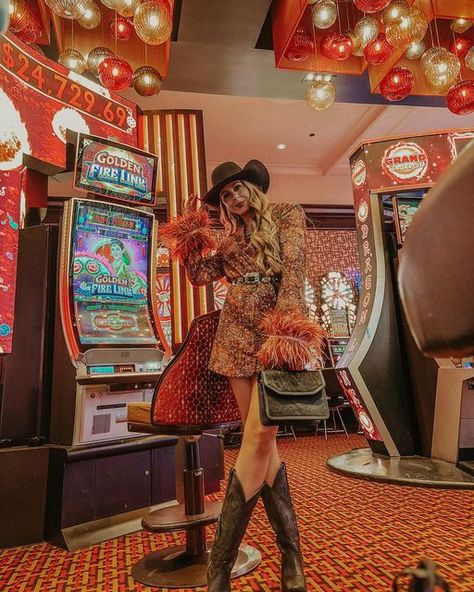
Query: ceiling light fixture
[[281, 146]]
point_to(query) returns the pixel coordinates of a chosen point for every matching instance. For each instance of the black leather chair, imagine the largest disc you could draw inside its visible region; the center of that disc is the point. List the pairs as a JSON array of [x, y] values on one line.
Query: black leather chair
[[436, 273]]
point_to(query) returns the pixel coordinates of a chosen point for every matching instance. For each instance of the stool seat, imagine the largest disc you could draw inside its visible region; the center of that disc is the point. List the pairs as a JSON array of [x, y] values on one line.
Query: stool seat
[[139, 412], [175, 518]]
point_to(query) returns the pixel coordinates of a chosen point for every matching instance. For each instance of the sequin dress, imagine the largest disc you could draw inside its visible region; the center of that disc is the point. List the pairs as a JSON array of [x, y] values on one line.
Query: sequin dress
[[239, 335]]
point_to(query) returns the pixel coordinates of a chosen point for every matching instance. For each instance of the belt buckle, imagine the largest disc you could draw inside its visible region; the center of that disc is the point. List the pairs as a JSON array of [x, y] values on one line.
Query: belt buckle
[[252, 278]]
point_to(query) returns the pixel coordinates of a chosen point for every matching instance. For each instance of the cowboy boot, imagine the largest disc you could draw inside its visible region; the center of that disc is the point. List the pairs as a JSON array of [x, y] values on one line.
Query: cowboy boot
[[280, 512], [235, 515]]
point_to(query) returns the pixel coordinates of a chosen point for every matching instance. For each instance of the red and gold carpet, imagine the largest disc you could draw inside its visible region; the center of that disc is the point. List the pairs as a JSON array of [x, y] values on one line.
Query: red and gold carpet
[[355, 536]]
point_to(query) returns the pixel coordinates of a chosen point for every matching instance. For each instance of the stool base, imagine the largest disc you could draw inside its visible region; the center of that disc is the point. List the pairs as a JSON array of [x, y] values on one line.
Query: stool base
[[175, 568]]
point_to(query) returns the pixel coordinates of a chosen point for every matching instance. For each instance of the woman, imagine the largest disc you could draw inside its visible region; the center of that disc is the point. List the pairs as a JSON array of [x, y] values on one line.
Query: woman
[[262, 324]]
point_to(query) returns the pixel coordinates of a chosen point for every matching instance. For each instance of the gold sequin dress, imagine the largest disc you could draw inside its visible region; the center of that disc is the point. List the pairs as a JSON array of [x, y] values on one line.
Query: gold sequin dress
[[239, 336]]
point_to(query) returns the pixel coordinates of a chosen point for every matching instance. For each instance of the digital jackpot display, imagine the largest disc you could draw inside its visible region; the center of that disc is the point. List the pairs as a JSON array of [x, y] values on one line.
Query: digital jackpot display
[[115, 171], [111, 249]]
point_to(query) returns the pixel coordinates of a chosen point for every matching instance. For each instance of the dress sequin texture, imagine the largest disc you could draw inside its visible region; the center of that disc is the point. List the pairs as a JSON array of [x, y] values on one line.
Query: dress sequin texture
[[239, 336]]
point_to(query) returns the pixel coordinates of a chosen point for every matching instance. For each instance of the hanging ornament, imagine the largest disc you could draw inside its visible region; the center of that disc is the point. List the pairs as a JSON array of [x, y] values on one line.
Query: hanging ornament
[[30, 33], [115, 5], [19, 15], [378, 51], [358, 49], [300, 47], [68, 9], [153, 22], [73, 60], [115, 73], [324, 14], [460, 98], [321, 94], [460, 46], [408, 29], [366, 30], [371, 5], [393, 13], [127, 7], [469, 59], [96, 57], [91, 17], [461, 25], [440, 67], [415, 50], [147, 81], [397, 84], [120, 28], [337, 47]]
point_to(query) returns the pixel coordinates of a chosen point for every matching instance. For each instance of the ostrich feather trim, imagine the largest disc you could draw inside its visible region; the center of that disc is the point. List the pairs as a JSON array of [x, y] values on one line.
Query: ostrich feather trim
[[187, 235], [292, 341]]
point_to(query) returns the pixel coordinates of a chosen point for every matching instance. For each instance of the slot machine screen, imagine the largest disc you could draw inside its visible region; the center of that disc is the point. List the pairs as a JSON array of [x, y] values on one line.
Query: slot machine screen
[[109, 271]]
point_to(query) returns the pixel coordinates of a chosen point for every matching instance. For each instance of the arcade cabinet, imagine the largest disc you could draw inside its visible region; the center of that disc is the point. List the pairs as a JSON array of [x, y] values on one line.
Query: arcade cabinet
[[398, 396]]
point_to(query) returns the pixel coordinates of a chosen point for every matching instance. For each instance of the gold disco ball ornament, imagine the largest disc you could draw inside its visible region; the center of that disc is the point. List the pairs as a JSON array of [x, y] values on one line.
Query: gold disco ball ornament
[[440, 67], [321, 94], [153, 22], [394, 12], [358, 49], [461, 25], [68, 9], [366, 30], [147, 81], [127, 7], [469, 59], [408, 29], [91, 18], [96, 57], [73, 60], [116, 5], [324, 14], [415, 50]]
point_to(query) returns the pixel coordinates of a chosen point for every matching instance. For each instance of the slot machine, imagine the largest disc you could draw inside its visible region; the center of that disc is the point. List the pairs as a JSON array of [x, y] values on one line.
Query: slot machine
[[109, 345], [406, 404]]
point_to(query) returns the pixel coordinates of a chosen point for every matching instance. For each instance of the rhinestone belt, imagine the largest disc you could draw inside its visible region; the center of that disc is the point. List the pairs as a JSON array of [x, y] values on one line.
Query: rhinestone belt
[[256, 278]]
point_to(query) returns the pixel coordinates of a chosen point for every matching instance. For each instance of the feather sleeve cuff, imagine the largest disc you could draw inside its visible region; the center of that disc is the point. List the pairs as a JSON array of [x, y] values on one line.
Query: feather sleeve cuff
[[188, 235], [292, 341]]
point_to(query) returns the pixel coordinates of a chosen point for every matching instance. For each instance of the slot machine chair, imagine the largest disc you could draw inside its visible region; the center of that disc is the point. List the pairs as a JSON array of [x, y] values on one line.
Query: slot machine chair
[[336, 401], [188, 400], [436, 273]]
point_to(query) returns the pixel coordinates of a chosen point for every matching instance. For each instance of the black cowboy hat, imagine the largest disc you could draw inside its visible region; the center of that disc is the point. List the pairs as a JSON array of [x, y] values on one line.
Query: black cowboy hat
[[254, 171]]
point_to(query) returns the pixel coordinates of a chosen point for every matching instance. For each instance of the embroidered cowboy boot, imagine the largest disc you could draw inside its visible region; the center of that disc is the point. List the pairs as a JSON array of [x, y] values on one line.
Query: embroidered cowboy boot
[[282, 517], [235, 515]]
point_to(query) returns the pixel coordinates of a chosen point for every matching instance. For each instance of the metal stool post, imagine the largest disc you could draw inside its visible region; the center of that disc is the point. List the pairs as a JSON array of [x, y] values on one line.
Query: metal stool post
[[185, 566]]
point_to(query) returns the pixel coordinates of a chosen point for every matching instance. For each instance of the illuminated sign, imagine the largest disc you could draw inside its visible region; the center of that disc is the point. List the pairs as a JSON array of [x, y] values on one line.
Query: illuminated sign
[[359, 173], [115, 170], [405, 161]]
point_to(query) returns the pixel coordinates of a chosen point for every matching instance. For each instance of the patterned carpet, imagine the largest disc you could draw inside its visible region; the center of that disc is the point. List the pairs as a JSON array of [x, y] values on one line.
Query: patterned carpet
[[355, 536]]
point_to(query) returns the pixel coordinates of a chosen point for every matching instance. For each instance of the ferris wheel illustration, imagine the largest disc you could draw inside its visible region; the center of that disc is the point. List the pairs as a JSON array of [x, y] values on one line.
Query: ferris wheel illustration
[[163, 295]]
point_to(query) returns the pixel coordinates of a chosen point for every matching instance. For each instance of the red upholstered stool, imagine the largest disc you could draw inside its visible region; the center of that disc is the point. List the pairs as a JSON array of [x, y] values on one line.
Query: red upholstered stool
[[188, 400]]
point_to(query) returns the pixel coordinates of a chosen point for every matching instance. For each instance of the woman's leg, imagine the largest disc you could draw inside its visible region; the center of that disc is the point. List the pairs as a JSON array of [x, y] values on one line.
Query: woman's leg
[[242, 388], [256, 450]]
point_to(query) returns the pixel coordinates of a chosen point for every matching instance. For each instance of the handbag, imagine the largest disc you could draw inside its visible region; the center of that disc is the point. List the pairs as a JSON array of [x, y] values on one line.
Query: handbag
[[291, 397]]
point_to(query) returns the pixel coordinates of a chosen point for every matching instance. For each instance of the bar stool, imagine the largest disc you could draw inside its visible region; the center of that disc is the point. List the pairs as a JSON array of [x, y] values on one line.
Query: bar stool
[[337, 401], [188, 400]]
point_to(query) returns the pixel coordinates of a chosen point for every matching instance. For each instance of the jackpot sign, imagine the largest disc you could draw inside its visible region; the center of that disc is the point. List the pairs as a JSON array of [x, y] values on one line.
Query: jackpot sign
[[405, 162]]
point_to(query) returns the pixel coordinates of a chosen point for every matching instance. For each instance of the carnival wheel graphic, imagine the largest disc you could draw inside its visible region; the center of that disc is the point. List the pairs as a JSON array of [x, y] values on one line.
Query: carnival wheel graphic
[[163, 296], [336, 290]]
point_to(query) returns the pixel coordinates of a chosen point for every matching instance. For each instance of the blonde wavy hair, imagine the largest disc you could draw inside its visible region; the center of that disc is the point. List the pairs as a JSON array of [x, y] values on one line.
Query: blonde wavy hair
[[263, 230]]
